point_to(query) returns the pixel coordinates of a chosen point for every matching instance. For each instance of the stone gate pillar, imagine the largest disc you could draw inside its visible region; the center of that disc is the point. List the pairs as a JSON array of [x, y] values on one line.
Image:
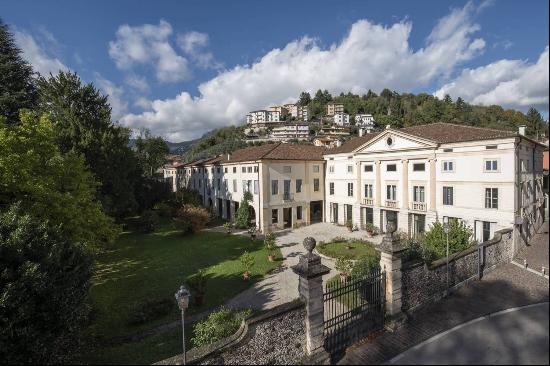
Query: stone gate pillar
[[310, 270], [390, 263]]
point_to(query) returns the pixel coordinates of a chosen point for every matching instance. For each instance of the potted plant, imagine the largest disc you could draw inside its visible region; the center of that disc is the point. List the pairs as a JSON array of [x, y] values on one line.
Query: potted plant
[[344, 266], [228, 227], [247, 261], [369, 228], [349, 225], [197, 283], [252, 232], [269, 242]]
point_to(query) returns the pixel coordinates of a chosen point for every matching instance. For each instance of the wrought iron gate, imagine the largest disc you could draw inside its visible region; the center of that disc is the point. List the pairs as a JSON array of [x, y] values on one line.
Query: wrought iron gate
[[353, 309]]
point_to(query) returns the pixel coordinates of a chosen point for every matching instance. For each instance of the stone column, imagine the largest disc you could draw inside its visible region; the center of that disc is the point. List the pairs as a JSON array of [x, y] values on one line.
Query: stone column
[[390, 263], [405, 185], [433, 186], [310, 270], [378, 195]]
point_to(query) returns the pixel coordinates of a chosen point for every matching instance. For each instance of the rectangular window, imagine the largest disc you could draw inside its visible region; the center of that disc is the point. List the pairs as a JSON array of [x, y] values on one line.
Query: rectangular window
[[274, 187], [391, 168], [255, 169], [419, 167], [448, 198], [316, 184], [447, 150], [316, 169], [350, 168], [249, 169], [331, 188], [298, 185], [368, 190], [486, 231], [218, 170], [234, 185], [299, 213], [331, 169], [274, 216], [256, 187], [245, 186], [350, 189], [448, 166], [219, 184], [391, 192], [491, 147], [225, 170], [491, 165], [243, 169], [287, 169], [418, 194], [234, 169], [491, 197], [225, 185], [368, 168]]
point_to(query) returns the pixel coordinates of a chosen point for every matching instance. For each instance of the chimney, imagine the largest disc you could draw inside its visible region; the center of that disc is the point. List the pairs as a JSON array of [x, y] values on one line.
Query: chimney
[[361, 132], [388, 127], [228, 157], [522, 129]]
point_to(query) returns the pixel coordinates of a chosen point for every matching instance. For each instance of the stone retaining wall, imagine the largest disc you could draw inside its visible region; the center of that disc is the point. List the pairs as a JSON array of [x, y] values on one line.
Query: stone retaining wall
[[276, 336], [422, 284]]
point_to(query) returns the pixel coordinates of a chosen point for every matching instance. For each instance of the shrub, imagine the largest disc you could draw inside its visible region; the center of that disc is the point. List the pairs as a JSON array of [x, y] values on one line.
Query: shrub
[[219, 324], [269, 242], [434, 245], [150, 310], [148, 222], [163, 209], [44, 284], [198, 283], [247, 261], [343, 265], [242, 219], [191, 219], [349, 225], [366, 264]]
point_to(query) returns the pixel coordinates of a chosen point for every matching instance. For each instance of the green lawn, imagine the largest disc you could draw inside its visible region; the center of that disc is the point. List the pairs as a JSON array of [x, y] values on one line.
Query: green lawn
[[356, 249], [146, 267]]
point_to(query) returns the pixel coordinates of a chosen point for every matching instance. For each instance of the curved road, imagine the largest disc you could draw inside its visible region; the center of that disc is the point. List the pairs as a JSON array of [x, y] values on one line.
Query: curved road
[[513, 336]]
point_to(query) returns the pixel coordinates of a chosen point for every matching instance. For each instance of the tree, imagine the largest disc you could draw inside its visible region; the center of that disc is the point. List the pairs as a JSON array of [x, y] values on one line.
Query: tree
[[44, 285], [535, 123], [50, 185], [305, 99], [242, 220], [151, 152], [434, 243], [82, 117], [17, 84]]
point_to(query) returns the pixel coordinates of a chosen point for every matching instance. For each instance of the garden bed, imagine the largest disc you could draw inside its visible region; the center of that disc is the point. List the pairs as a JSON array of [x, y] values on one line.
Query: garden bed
[[349, 249]]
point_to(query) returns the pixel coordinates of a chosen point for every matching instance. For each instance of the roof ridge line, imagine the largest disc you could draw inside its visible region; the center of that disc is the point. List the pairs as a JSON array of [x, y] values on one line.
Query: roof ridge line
[[274, 147]]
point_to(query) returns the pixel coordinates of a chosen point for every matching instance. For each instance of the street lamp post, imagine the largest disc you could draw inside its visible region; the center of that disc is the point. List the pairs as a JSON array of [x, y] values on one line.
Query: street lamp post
[[182, 298], [446, 230]]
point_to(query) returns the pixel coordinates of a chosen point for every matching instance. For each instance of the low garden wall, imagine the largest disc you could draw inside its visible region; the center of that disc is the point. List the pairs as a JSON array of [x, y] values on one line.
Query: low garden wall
[[276, 336], [422, 284]]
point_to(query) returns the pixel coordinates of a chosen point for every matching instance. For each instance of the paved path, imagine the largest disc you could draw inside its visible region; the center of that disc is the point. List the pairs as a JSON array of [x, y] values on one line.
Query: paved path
[[516, 336], [282, 286], [536, 254], [506, 287]]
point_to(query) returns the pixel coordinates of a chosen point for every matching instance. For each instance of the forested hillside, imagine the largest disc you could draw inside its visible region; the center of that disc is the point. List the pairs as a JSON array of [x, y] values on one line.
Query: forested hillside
[[388, 108]]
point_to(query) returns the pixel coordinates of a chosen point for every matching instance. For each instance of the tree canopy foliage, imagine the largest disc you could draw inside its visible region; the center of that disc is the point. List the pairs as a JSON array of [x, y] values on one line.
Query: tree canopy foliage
[[51, 186], [17, 83], [44, 285]]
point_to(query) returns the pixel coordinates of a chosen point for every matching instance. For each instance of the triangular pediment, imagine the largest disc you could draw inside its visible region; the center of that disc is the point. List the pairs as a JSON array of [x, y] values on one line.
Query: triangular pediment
[[394, 140]]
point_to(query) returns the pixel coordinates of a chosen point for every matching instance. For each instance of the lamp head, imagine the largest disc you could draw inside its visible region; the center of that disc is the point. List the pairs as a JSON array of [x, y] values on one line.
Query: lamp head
[[182, 298]]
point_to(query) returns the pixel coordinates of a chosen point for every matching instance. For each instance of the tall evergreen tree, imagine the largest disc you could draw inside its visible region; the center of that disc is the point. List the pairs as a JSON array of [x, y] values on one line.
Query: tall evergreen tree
[[82, 116], [17, 84]]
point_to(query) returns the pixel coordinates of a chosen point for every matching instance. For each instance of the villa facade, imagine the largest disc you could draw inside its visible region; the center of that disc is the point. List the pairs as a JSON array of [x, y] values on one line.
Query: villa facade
[[415, 176]]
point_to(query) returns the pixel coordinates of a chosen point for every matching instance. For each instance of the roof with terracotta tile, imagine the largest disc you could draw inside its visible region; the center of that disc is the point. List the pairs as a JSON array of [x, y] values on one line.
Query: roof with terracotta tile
[[439, 132]]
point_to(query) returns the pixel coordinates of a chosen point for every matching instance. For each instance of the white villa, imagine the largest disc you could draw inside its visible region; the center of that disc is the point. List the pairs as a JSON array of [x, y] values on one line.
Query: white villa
[[489, 179], [341, 119], [364, 120]]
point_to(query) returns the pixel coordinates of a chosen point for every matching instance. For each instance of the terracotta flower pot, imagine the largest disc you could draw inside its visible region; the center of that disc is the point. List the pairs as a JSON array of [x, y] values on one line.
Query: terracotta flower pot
[[246, 275]]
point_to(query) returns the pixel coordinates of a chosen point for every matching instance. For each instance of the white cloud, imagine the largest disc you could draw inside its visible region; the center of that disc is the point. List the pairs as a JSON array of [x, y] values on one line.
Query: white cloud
[[149, 44], [115, 94], [511, 83], [36, 54], [137, 82], [194, 44], [370, 56]]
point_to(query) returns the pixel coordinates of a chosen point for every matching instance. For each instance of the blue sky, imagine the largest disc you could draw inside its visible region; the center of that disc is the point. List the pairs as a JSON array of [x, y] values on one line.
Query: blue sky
[[181, 68]]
